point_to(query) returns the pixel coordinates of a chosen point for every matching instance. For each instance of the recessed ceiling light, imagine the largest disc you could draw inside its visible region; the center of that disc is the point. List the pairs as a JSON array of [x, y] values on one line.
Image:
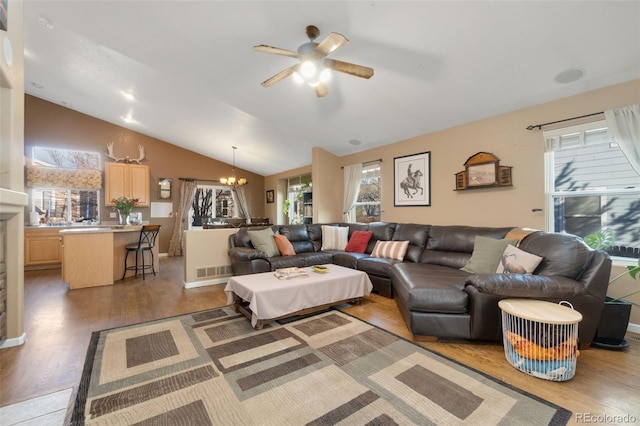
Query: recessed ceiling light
[[354, 142], [128, 95], [570, 75]]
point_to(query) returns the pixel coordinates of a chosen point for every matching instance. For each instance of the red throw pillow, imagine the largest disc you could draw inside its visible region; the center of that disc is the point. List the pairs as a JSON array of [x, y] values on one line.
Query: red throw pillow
[[358, 241], [284, 245]]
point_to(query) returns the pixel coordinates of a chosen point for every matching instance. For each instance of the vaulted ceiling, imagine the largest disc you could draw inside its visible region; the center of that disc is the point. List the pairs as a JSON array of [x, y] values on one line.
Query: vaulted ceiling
[[195, 78]]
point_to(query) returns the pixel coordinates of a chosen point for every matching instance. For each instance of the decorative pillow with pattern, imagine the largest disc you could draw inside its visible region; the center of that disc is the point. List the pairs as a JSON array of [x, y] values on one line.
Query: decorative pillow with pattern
[[390, 249], [334, 237], [517, 261], [284, 245]]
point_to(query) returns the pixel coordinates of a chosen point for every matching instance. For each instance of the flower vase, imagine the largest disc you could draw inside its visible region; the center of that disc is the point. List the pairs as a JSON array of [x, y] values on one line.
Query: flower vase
[[123, 218]]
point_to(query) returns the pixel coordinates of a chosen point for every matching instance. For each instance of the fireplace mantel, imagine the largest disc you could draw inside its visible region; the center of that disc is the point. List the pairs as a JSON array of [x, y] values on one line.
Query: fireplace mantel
[[12, 206]]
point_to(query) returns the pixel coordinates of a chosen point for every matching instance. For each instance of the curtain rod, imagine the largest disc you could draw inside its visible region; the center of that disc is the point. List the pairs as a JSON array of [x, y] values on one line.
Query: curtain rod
[[379, 160], [199, 180], [539, 126]]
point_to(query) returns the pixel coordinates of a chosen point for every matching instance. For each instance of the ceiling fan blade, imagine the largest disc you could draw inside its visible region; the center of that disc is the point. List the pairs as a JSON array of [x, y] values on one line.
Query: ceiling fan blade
[[280, 76], [275, 50], [332, 42], [349, 68], [321, 90]]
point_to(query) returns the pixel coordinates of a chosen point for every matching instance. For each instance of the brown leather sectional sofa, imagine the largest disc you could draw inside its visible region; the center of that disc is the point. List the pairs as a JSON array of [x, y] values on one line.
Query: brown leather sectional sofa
[[437, 298]]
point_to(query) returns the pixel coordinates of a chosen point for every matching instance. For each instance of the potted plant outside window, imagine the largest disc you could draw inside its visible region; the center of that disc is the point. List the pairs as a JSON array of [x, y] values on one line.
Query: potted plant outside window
[[616, 312]]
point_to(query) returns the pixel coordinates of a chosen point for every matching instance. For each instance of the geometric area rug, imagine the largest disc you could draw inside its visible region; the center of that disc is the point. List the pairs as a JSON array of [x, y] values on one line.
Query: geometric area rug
[[213, 368]]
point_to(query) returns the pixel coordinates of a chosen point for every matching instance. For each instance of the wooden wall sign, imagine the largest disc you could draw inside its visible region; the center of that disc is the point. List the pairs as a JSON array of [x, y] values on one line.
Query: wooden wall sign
[[483, 170]]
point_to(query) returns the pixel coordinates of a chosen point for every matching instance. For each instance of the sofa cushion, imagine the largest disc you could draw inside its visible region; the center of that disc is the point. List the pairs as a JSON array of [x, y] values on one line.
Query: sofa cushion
[[263, 240], [284, 245], [347, 259], [430, 288], [299, 237], [381, 231], [486, 254], [390, 249], [563, 254], [516, 261], [452, 245], [417, 236], [334, 237], [376, 266], [358, 241]]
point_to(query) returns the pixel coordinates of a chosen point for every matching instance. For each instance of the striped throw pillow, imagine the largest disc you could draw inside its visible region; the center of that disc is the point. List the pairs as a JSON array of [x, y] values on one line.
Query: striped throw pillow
[[390, 249], [334, 237]]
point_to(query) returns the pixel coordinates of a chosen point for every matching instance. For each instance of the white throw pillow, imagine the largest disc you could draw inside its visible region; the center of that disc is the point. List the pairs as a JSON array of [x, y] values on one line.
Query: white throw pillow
[[334, 237], [390, 249], [516, 261]]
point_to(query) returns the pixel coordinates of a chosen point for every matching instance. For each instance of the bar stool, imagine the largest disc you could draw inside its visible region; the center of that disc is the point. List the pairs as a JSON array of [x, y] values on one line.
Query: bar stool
[[147, 240]]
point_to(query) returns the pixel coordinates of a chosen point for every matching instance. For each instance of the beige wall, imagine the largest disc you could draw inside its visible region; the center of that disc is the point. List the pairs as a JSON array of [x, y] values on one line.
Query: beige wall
[[504, 136], [51, 125]]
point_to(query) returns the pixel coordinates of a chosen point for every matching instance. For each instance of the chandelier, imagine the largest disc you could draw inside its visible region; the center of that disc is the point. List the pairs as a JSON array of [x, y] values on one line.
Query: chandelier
[[232, 181]]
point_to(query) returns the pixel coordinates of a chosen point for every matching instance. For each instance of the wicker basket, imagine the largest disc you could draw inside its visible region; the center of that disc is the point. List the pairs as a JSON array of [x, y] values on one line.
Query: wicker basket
[[541, 338]]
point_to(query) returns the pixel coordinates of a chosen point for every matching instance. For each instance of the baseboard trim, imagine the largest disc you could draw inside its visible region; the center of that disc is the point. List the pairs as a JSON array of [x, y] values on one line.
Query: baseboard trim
[[634, 328], [195, 284], [14, 341]]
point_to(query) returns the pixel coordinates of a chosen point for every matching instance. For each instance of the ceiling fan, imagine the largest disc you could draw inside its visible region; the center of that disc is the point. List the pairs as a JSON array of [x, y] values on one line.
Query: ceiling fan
[[314, 67]]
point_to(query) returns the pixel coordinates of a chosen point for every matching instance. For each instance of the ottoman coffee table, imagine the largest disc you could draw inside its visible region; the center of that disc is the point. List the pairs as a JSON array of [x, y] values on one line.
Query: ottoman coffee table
[[265, 297]]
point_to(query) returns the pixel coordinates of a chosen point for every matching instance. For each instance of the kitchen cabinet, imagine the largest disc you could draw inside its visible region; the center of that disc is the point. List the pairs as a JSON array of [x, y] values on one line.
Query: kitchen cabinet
[[126, 180], [42, 247]]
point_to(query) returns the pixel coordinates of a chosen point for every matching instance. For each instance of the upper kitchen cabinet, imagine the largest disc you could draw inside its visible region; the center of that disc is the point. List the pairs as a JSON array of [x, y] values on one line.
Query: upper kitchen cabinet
[[126, 180]]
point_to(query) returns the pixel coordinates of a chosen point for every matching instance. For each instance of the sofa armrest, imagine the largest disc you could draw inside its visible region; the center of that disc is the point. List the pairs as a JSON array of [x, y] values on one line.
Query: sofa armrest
[[529, 286], [245, 253]]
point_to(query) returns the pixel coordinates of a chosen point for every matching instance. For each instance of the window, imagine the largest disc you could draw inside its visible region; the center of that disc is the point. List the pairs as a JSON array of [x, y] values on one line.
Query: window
[[219, 204], [591, 185], [62, 206], [368, 204], [66, 185]]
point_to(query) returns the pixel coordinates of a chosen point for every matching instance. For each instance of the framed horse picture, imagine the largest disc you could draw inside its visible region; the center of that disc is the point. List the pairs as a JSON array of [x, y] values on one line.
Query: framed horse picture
[[412, 180]]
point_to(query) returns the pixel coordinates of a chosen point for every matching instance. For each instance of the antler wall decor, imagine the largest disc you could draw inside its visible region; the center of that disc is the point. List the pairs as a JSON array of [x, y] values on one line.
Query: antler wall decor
[[125, 159]]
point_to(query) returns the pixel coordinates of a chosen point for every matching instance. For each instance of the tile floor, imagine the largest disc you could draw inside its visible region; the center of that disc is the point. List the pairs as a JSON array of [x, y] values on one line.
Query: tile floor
[[47, 410]]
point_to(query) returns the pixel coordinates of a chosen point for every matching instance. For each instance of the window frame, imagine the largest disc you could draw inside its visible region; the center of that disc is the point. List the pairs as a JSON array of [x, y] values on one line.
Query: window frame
[[549, 178]]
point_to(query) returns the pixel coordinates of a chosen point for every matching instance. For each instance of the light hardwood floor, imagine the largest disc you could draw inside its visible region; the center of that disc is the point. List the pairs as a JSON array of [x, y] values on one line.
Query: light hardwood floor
[[59, 323]]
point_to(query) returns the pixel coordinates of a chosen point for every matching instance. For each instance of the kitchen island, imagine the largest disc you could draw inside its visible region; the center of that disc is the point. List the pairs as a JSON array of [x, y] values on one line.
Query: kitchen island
[[94, 256]]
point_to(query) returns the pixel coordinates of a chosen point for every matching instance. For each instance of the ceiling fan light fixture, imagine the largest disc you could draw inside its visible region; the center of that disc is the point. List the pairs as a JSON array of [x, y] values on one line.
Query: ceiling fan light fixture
[[298, 78], [325, 75], [308, 70]]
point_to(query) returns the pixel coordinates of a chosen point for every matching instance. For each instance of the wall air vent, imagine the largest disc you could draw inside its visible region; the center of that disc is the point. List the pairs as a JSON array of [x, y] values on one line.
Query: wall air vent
[[208, 272]]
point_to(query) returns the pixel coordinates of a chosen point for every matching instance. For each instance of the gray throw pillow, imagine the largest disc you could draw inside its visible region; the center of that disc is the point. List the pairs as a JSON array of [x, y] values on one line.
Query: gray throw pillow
[[486, 255], [263, 240]]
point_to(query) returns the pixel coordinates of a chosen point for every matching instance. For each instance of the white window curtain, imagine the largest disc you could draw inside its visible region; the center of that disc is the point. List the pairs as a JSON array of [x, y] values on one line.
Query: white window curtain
[[352, 178], [624, 124]]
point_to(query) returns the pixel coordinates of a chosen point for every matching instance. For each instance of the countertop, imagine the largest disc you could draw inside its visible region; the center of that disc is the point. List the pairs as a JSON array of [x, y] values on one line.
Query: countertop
[[99, 230]]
